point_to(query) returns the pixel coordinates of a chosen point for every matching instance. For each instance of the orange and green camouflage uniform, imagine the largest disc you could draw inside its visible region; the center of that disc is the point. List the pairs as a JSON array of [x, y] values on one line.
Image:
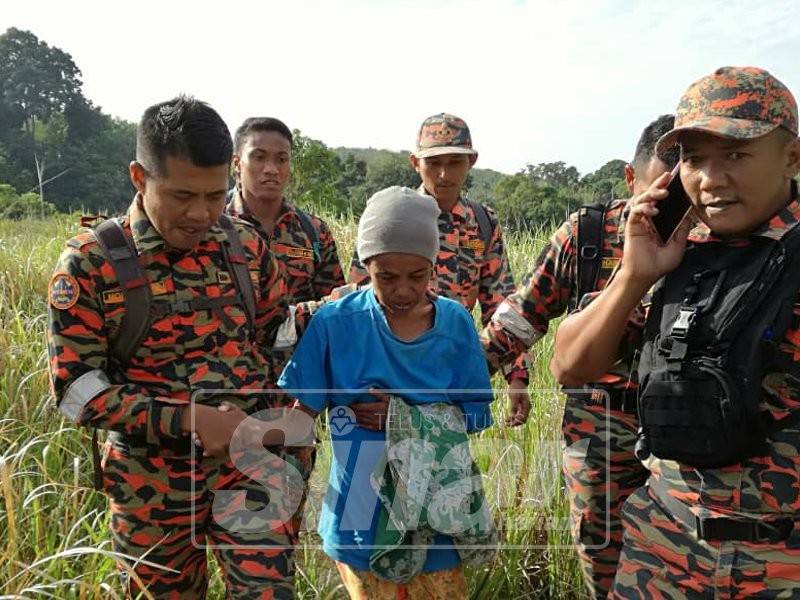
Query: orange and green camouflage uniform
[[161, 495], [466, 271], [663, 557], [310, 273], [600, 468]]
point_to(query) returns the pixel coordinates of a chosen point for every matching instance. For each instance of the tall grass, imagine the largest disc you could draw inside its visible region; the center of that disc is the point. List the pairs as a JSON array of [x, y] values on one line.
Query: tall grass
[[54, 540]]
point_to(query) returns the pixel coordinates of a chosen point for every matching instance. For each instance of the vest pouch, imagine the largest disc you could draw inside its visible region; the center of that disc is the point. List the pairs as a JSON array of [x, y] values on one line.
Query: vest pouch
[[696, 416]]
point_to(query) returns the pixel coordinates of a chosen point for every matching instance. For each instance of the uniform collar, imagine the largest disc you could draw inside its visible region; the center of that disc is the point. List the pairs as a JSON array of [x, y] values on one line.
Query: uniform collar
[[459, 208], [145, 235], [238, 208], [775, 228]]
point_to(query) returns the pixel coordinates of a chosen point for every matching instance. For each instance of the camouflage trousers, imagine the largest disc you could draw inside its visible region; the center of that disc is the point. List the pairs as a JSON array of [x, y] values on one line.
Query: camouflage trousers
[[600, 472], [168, 508], [663, 558]]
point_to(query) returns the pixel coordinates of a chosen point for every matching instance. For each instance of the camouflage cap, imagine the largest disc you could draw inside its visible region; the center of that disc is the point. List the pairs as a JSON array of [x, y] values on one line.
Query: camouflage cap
[[734, 102], [443, 134]]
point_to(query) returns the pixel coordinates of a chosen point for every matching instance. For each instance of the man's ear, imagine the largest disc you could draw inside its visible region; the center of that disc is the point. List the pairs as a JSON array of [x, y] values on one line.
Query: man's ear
[[138, 176], [630, 177], [792, 154], [472, 159], [414, 162], [236, 168]]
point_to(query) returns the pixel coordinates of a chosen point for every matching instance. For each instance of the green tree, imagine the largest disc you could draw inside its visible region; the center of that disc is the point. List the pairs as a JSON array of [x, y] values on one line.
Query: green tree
[[607, 183], [386, 171], [557, 174], [352, 175], [36, 80], [15, 206], [316, 171], [96, 170]]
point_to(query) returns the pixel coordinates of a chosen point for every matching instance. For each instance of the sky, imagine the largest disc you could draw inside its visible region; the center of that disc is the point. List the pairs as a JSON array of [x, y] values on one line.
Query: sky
[[537, 81]]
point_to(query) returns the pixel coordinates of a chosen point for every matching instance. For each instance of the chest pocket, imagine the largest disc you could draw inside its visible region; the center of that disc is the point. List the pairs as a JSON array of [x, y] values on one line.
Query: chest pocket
[[112, 301], [224, 303], [299, 266]]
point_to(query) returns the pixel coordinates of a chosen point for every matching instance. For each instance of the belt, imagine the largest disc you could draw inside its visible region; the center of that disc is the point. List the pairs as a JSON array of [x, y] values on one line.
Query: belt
[[623, 400], [722, 529]]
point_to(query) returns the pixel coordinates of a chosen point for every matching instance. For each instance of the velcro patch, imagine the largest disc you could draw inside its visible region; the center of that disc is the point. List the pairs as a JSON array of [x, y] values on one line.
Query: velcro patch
[[293, 252], [223, 277], [63, 291], [609, 263], [113, 296]]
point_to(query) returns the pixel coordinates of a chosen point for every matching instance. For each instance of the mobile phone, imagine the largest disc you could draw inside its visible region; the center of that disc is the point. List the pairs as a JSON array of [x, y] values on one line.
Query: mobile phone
[[672, 209]]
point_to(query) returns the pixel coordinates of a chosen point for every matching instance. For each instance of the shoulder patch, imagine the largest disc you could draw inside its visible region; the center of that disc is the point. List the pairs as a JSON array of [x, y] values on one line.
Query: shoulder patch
[[81, 240], [63, 291], [115, 296]]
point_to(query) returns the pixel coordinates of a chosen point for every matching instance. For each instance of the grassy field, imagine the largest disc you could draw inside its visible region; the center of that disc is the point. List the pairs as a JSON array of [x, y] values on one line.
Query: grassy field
[[54, 527]]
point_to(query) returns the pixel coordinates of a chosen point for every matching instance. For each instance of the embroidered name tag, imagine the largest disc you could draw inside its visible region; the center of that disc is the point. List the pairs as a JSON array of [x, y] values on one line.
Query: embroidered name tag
[[609, 263], [476, 245], [293, 252], [113, 297]]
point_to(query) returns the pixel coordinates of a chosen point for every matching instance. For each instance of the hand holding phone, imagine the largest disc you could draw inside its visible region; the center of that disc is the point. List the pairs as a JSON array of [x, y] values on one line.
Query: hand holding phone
[[672, 210]]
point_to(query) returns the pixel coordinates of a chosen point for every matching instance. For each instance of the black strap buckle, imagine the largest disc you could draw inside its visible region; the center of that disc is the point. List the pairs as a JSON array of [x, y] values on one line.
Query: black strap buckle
[[589, 252], [683, 324], [756, 531]]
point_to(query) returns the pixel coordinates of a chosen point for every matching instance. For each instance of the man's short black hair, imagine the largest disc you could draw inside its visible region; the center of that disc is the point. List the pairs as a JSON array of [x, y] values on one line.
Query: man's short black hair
[[646, 148], [260, 124], [183, 127]]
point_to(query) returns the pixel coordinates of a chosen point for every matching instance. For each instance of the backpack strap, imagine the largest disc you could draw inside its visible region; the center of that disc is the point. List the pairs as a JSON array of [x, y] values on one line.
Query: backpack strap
[[237, 262], [121, 253], [308, 228], [485, 229], [591, 220]]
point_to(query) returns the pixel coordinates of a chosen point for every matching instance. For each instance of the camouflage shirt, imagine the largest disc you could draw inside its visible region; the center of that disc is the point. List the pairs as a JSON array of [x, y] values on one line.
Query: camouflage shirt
[[310, 273], [184, 352], [762, 484], [550, 288], [466, 271]]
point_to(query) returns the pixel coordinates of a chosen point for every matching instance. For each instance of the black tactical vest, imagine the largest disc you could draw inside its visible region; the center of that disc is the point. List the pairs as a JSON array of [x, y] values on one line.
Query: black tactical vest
[[711, 336]]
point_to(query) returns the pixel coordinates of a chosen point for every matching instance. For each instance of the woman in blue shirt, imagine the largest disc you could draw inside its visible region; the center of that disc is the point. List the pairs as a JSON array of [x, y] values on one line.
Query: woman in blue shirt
[[395, 336]]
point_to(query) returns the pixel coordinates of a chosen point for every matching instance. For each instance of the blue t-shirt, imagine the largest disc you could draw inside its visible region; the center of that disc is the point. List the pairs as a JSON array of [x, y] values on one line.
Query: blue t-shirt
[[349, 348]]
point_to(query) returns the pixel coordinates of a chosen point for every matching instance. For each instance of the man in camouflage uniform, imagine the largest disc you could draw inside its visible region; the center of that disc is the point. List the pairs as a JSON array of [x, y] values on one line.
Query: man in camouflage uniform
[[301, 242], [600, 468], [709, 532], [472, 265], [166, 501]]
